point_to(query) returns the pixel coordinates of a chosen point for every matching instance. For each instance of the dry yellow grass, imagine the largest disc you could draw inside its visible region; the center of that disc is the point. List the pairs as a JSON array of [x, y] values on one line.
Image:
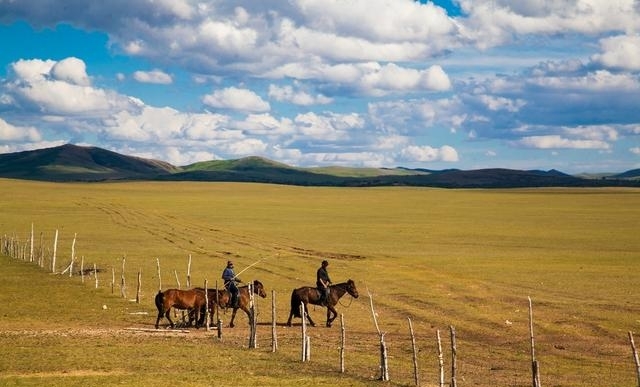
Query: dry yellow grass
[[467, 258]]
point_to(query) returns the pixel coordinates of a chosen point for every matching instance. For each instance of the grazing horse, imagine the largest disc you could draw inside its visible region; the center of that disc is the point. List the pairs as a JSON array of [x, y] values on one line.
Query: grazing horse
[[311, 295], [193, 300], [223, 298]]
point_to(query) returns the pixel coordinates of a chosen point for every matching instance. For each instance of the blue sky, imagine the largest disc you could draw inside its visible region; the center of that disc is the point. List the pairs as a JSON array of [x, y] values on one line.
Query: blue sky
[[466, 84]]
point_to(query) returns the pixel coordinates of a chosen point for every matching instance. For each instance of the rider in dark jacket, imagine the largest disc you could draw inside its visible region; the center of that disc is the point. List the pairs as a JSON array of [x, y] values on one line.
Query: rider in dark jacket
[[230, 279], [322, 282]]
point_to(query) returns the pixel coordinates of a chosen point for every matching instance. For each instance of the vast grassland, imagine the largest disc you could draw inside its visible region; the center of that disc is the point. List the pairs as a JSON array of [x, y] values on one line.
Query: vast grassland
[[463, 258]]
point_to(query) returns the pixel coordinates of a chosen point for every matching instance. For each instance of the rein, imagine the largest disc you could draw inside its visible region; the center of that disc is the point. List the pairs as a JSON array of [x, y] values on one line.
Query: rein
[[342, 286]]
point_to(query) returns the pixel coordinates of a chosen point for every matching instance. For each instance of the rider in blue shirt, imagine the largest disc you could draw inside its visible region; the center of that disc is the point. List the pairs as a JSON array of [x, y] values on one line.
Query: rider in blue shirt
[[229, 277]]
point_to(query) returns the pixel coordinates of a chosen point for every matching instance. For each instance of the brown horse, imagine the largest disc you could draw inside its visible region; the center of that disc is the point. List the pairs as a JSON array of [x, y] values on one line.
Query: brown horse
[[192, 300], [311, 295], [223, 298]]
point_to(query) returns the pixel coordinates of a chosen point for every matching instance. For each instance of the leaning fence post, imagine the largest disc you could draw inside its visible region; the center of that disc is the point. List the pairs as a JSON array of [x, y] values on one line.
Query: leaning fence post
[[55, 249], [535, 371], [73, 254], [384, 365], [635, 356], [416, 378]]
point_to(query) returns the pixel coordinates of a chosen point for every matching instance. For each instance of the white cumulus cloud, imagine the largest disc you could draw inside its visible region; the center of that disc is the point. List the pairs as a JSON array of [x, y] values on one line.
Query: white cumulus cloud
[[153, 76], [236, 99], [426, 153], [620, 52]]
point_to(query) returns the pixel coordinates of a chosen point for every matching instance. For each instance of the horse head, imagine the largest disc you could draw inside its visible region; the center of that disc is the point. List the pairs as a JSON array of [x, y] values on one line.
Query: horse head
[[351, 288], [258, 289]]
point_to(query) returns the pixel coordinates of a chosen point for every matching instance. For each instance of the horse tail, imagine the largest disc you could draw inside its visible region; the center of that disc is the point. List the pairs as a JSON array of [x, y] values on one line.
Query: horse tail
[[159, 301], [295, 303]]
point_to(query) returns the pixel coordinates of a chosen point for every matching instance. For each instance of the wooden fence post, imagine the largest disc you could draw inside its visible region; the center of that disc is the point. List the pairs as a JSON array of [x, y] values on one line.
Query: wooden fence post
[[159, 277], [218, 321], [342, 342], [274, 334], [175, 273], [416, 377], [55, 249], [189, 273], [384, 365], [252, 318], [139, 286], [206, 303], [123, 286], [635, 356], [535, 371], [304, 333], [31, 250], [73, 254], [454, 354], [440, 358], [41, 251], [95, 274]]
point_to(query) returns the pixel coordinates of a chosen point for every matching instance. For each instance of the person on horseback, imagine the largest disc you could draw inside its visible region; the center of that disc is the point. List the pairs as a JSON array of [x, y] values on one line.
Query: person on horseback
[[230, 279], [322, 282]]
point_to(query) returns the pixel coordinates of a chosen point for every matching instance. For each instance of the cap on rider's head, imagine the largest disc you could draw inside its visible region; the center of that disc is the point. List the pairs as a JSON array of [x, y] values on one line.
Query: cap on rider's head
[[325, 263], [229, 263]]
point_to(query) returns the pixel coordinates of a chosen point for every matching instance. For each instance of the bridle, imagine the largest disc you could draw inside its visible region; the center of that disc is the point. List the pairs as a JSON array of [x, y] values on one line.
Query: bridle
[[344, 287]]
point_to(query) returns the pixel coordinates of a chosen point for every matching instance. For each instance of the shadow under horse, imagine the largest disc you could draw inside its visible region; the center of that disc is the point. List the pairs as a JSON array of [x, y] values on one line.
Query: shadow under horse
[[311, 295], [223, 299]]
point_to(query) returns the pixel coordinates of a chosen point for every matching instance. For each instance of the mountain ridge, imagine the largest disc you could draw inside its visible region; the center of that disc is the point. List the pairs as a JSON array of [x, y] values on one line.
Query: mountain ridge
[[71, 162]]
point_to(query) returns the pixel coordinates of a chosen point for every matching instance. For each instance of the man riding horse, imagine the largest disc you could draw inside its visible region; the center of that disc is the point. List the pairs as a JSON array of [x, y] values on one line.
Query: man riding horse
[[322, 282], [230, 279]]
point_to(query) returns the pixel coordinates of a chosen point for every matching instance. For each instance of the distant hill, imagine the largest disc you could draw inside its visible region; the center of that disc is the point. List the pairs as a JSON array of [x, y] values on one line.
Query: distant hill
[[631, 174], [79, 163]]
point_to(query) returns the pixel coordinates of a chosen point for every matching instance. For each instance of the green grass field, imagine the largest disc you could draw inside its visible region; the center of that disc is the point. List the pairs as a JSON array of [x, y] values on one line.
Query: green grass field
[[462, 258]]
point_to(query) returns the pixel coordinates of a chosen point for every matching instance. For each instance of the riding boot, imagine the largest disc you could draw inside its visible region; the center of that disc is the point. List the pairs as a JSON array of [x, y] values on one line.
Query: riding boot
[[234, 302]]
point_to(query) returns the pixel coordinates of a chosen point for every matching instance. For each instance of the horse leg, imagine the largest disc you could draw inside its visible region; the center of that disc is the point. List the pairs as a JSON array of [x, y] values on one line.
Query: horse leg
[[290, 317], [246, 310], [331, 315], [168, 316], [159, 318], [233, 317], [306, 313]]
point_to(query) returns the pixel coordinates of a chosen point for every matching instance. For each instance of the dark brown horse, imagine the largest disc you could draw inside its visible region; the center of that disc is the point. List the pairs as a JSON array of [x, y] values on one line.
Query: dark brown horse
[[192, 300], [311, 295], [223, 298]]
